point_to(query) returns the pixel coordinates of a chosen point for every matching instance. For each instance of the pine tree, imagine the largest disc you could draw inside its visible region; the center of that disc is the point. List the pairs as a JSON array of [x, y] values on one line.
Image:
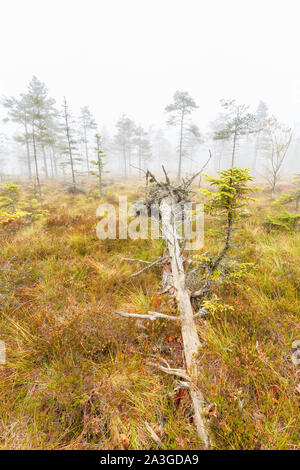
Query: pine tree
[[40, 110], [236, 122], [161, 147], [18, 112], [294, 197], [275, 142], [142, 146], [88, 124], [99, 163], [69, 145], [261, 116], [227, 202], [192, 140], [227, 198], [2, 154], [124, 140], [181, 107]]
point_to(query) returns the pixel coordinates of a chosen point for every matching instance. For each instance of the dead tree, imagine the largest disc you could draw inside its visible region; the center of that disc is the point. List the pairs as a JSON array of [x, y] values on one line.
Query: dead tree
[[170, 199]]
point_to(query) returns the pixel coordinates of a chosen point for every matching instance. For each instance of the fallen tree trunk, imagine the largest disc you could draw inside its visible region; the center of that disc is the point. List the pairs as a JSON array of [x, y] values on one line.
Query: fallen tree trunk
[[171, 200], [191, 342]]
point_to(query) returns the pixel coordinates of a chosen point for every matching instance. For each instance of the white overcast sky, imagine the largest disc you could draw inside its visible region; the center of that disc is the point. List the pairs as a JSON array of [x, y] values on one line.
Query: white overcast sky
[[132, 55]]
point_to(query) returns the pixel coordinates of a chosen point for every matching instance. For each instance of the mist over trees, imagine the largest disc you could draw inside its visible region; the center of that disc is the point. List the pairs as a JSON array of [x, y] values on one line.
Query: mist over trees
[[234, 123], [276, 139], [47, 140], [88, 125], [179, 110], [99, 162], [149, 228], [261, 116]]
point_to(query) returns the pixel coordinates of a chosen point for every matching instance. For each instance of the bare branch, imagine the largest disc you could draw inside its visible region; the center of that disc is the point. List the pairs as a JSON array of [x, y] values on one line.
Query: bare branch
[[155, 180], [137, 168], [183, 245], [182, 384], [168, 370], [201, 312], [159, 260], [166, 175], [151, 316], [153, 434], [189, 181], [170, 197], [135, 259]]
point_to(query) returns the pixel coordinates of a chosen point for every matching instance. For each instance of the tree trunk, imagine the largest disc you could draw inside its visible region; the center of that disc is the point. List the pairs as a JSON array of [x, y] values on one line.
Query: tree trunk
[[51, 165], [99, 161], [54, 160], [191, 342], [69, 144], [274, 182], [125, 162], [140, 162], [45, 162], [233, 148], [86, 152], [100, 181], [64, 174], [255, 154], [36, 163], [180, 148], [28, 152]]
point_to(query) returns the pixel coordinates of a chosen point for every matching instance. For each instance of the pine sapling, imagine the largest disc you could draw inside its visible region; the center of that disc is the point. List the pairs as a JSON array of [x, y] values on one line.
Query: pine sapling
[[227, 202], [99, 163]]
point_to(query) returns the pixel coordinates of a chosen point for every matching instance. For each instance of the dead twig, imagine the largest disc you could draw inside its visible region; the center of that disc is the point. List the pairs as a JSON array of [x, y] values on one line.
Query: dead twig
[[150, 316], [171, 371], [171, 200], [153, 178], [190, 180], [166, 175], [159, 260], [138, 260], [153, 434]]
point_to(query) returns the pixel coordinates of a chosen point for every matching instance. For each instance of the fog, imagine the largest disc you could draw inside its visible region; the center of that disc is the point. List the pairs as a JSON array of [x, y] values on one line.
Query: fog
[[131, 57]]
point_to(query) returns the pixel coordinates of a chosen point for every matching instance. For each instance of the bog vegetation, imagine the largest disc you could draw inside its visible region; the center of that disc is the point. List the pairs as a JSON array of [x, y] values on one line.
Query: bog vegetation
[[78, 376]]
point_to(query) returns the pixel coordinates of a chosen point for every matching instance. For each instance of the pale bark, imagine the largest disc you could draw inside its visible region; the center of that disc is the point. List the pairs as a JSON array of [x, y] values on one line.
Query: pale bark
[[36, 162], [45, 162], [169, 216], [233, 148], [180, 147], [28, 151], [191, 342], [69, 143]]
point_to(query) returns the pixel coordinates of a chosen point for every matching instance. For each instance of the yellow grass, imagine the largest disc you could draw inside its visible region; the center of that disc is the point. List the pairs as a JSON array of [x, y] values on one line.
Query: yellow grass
[[78, 376]]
